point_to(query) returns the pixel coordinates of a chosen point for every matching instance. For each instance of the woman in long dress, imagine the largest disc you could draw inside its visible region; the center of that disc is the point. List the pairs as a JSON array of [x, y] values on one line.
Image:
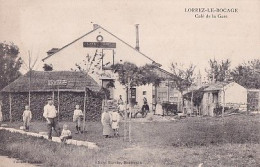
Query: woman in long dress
[[106, 122], [158, 108]]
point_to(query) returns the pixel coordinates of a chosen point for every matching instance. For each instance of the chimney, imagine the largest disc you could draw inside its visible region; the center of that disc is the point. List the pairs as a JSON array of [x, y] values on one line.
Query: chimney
[[95, 26], [137, 37]]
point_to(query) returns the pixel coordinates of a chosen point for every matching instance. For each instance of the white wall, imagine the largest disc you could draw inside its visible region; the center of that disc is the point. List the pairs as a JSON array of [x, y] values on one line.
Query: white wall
[[234, 93], [76, 53]]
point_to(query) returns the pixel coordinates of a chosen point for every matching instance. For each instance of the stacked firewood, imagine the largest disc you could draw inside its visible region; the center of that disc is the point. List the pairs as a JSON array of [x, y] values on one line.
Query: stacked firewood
[[67, 102]]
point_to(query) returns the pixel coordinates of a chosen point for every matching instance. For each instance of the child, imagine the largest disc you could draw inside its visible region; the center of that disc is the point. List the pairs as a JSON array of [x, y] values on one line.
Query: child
[[115, 117], [77, 118], [65, 134], [121, 109], [27, 116], [136, 109]]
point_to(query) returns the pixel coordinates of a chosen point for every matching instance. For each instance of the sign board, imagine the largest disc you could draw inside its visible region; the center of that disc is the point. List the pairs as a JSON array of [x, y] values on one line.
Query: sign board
[[133, 93], [99, 44], [57, 82]]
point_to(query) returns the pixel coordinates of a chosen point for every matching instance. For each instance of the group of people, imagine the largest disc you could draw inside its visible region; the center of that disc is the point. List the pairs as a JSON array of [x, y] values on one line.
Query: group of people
[[132, 110], [51, 115], [110, 121], [110, 118]]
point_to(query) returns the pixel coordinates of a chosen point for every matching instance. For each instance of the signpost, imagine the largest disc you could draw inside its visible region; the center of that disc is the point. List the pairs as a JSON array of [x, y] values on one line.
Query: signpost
[[57, 83]]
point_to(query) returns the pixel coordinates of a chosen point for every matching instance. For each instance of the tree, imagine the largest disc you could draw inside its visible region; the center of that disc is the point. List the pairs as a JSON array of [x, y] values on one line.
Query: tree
[[182, 77], [248, 74], [131, 75], [218, 71], [10, 63], [47, 67]]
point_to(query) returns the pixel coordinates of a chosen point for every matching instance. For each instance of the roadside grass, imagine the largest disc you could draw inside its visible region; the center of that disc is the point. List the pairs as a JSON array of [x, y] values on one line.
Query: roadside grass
[[229, 141]]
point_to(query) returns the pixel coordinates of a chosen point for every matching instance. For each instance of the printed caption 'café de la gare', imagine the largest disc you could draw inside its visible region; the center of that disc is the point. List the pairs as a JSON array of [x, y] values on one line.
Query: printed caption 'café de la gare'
[[211, 12]]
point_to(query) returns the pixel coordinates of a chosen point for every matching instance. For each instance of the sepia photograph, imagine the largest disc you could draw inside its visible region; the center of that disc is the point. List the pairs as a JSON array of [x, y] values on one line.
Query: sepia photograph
[[141, 83]]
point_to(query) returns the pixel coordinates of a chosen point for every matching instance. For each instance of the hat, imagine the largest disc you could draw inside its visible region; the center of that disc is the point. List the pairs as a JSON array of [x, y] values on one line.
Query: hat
[[49, 98]]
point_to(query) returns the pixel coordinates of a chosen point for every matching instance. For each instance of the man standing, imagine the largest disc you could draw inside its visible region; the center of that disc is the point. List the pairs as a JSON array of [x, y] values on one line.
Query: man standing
[[50, 114], [120, 100]]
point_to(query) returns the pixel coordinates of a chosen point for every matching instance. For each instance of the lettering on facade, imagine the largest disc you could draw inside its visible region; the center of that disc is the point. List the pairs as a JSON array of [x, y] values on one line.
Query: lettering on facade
[[57, 82], [99, 44]]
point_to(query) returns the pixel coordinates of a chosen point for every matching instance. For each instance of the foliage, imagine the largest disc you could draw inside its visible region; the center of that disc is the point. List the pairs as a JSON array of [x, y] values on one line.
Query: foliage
[[183, 77], [136, 76], [90, 64], [104, 93], [47, 67], [197, 96], [10, 63], [218, 71], [248, 74]]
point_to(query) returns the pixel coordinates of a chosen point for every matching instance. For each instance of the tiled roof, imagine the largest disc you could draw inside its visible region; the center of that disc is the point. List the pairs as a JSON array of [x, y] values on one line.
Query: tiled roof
[[216, 86], [75, 81]]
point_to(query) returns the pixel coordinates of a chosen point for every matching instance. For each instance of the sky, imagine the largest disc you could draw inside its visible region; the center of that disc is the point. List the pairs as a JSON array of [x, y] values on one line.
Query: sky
[[167, 33]]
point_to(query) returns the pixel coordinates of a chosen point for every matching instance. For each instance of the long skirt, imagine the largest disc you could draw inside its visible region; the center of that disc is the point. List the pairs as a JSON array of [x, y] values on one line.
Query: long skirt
[[106, 129], [159, 109]]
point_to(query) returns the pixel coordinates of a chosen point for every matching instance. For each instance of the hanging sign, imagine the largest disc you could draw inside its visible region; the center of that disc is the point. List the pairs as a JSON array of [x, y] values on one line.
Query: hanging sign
[[99, 44]]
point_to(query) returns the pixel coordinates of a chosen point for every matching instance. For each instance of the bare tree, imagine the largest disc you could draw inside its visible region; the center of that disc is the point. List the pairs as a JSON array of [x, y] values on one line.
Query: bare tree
[[182, 77]]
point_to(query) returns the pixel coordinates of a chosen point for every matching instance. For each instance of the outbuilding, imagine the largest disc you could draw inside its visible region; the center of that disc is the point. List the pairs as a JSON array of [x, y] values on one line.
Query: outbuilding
[[213, 96], [228, 94], [67, 88]]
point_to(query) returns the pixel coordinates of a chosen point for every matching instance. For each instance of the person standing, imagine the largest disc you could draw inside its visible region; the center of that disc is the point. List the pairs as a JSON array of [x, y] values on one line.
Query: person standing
[[106, 122], [120, 100], [122, 109], [50, 114], [158, 108], [77, 118], [27, 116], [115, 117], [145, 100]]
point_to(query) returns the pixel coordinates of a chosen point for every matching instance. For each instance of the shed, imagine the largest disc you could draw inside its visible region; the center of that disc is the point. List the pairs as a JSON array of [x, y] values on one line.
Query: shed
[[228, 94], [66, 87]]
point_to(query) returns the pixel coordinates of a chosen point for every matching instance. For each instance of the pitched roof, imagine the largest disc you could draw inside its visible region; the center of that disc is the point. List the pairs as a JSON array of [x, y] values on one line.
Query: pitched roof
[[216, 86], [98, 27], [40, 82]]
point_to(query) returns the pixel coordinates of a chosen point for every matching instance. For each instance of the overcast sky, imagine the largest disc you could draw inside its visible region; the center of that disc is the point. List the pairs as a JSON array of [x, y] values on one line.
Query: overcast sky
[[167, 33]]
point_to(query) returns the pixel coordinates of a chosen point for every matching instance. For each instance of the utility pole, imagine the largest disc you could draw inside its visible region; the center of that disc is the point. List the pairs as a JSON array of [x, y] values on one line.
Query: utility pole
[[30, 69], [130, 115], [192, 101], [223, 109]]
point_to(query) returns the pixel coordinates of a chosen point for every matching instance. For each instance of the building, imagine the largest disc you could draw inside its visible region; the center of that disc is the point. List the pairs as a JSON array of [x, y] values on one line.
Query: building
[[253, 99], [223, 94], [67, 88], [211, 96], [108, 49]]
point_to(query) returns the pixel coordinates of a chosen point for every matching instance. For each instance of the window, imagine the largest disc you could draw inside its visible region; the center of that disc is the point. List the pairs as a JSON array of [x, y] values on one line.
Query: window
[[162, 96], [144, 92]]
